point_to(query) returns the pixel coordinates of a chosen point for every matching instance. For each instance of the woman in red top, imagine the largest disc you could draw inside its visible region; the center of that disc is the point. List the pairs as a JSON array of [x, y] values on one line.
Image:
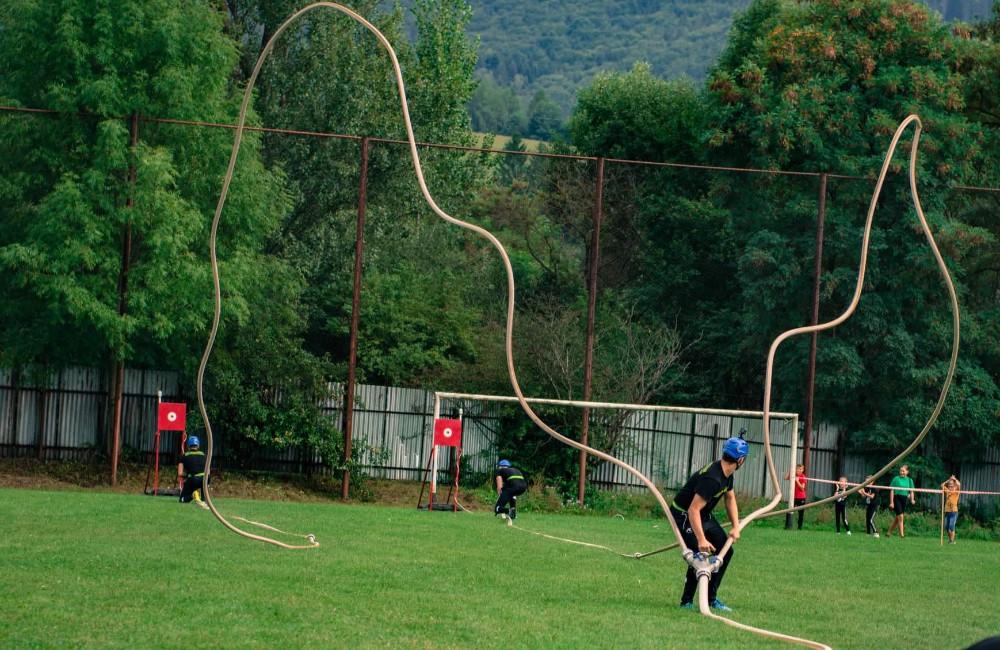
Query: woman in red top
[[800, 489]]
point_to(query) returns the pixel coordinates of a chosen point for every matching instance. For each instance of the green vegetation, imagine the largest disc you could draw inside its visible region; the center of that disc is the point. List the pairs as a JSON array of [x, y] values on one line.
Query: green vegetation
[[560, 46], [697, 271], [108, 571]]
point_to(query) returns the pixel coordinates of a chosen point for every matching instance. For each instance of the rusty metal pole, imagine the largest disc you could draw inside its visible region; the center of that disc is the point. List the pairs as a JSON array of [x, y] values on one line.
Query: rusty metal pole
[[588, 359], [817, 272], [359, 247], [123, 299]]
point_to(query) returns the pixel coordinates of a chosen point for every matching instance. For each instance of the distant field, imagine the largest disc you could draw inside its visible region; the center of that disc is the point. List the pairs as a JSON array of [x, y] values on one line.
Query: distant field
[[500, 141], [84, 569]]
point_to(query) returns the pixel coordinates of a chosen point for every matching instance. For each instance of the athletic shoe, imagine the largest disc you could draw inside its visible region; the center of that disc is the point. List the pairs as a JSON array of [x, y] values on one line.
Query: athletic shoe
[[503, 516], [876, 535], [848, 532], [718, 605], [687, 605], [202, 504]]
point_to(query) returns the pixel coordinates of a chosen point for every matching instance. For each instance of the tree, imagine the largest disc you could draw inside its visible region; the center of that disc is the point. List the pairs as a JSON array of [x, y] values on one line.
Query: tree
[[330, 74], [68, 205], [544, 117], [821, 86]]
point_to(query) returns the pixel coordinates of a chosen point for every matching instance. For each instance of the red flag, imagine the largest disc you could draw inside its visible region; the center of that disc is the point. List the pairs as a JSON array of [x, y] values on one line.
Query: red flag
[[172, 417], [447, 433]]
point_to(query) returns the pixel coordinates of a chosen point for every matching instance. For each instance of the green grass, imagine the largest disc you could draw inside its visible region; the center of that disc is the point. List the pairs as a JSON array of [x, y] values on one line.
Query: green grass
[[87, 569]]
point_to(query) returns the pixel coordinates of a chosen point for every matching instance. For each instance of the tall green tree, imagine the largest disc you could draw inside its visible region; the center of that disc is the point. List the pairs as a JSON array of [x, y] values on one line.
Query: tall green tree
[[68, 204], [329, 74], [821, 86]]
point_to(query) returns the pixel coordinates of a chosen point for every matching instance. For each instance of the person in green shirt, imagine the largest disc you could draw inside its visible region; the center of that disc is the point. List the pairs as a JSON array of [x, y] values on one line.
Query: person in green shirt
[[901, 494]]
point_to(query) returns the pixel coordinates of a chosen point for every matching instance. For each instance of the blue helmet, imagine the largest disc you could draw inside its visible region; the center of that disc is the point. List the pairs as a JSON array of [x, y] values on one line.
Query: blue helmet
[[736, 448], [193, 441], [503, 463]]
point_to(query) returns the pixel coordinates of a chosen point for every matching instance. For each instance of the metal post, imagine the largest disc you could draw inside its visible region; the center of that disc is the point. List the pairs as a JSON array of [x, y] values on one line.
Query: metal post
[[359, 246], [817, 272], [434, 457], [588, 360], [690, 469], [156, 445], [43, 408], [123, 301]]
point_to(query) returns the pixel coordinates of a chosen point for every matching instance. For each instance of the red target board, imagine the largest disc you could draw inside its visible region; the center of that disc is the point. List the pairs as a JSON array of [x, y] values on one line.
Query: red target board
[[172, 417], [447, 432]]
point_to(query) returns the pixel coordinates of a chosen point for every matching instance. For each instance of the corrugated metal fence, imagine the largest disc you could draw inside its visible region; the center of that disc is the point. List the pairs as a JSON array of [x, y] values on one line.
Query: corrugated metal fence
[[63, 416]]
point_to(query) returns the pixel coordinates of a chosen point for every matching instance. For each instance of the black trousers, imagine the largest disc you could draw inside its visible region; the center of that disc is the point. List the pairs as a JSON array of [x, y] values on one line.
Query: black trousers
[[714, 533], [870, 511], [191, 483], [508, 497], [800, 502], [840, 514]]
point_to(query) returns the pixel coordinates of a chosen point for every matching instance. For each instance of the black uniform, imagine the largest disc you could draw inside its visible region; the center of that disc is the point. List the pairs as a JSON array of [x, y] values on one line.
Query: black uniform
[[840, 510], [871, 507], [513, 485], [710, 483], [194, 473]]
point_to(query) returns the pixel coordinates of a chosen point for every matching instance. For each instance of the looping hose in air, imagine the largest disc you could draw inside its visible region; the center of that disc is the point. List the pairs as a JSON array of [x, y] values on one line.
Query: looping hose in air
[[508, 341]]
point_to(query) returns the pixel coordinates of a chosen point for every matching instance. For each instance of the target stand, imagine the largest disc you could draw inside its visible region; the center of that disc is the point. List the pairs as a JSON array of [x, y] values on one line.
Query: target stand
[[170, 417], [447, 433]]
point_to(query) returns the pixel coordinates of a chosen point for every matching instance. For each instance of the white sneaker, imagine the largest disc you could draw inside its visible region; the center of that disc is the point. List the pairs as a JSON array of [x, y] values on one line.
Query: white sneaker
[[848, 532], [876, 535], [202, 504], [503, 515]]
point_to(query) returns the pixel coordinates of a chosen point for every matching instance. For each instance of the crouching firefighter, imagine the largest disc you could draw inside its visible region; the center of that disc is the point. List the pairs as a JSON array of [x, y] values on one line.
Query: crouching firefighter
[[191, 472], [510, 484], [692, 510]]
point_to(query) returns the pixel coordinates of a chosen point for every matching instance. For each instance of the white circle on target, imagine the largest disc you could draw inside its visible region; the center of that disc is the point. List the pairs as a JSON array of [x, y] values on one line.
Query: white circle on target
[[447, 432], [172, 415]]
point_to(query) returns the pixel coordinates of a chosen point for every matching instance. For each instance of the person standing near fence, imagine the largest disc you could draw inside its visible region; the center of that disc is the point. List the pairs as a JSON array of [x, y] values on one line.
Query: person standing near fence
[[951, 489], [901, 494], [871, 507], [840, 505], [801, 480]]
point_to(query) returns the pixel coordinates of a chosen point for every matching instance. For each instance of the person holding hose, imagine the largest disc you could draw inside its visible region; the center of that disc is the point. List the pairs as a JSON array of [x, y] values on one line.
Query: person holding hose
[[692, 510]]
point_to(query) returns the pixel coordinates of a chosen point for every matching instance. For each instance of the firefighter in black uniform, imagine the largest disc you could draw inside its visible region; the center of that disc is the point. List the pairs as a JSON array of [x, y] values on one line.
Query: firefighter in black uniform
[[191, 472], [510, 483], [692, 510]]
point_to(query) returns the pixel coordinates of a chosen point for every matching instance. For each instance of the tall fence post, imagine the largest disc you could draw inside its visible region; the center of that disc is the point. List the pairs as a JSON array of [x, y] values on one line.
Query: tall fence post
[[123, 299], [588, 359], [352, 357], [817, 272], [15, 395], [43, 407]]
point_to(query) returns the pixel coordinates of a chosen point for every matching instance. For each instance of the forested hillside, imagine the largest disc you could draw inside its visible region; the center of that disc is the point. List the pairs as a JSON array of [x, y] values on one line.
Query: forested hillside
[[558, 46]]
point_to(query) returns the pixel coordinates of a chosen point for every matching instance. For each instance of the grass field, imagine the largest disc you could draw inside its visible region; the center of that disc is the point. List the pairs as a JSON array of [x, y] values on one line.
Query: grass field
[[88, 569]]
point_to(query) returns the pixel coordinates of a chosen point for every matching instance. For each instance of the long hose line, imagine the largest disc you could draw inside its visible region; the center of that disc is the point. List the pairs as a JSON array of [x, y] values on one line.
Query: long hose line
[[510, 311], [703, 581], [415, 155]]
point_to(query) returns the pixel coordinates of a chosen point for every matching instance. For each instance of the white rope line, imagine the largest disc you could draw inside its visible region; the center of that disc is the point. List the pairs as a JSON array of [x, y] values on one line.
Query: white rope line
[[577, 542], [906, 489], [309, 536]]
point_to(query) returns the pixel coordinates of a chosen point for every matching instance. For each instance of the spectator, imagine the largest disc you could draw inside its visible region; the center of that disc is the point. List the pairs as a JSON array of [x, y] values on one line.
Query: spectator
[[901, 494], [951, 489]]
